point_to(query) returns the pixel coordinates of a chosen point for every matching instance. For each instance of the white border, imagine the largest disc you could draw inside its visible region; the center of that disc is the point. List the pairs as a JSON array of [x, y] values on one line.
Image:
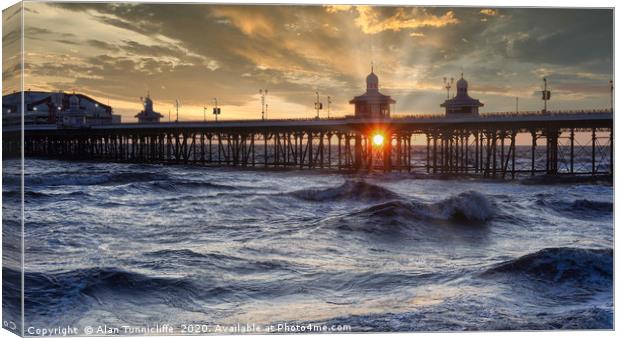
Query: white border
[[469, 3]]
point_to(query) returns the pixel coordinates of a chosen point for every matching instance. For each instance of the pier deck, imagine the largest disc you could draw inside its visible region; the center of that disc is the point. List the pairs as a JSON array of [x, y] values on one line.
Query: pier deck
[[484, 145]]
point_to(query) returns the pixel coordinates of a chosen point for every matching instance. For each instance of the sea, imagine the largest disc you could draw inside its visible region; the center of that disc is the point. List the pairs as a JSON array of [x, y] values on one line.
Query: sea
[[190, 248]]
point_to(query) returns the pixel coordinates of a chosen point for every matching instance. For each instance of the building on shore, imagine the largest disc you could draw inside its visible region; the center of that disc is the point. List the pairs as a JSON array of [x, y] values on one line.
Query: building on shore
[[148, 115], [372, 104], [55, 108], [462, 104]]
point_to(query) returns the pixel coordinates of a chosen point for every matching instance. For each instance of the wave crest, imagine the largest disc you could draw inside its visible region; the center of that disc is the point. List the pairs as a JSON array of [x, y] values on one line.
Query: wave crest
[[469, 206], [351, 190], [581, 207], [563, 264], [466, 206]]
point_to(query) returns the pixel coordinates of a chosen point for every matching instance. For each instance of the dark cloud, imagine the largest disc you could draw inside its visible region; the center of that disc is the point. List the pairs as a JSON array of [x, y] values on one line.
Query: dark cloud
[[102, 45]]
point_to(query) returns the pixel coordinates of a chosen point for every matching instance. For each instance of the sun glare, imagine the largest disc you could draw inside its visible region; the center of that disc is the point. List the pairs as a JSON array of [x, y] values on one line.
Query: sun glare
[[377, 140]]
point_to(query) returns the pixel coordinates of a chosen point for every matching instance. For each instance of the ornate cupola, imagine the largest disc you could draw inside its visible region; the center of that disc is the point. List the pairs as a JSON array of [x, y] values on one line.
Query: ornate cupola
[[372, 81], [372, 104], [462, 104], [148, 115]]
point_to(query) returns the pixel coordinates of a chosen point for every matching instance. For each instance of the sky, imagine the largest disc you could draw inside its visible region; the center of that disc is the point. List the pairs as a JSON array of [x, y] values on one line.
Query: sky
[[118, 53]]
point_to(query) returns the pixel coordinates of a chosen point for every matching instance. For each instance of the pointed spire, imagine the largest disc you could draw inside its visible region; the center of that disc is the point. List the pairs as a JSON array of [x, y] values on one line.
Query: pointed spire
[[372, 66]]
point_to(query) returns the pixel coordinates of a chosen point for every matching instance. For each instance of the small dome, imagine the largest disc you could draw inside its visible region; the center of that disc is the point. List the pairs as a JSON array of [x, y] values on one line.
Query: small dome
[[461, 84], [148, 104], [372, 81], [372, 78]]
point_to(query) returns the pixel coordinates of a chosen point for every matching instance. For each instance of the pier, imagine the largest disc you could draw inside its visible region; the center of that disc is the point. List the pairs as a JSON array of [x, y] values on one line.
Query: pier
[[494, 145]]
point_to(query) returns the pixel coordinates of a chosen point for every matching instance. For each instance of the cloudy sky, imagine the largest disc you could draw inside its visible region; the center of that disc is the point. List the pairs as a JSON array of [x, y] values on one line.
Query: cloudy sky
[[194, 52]]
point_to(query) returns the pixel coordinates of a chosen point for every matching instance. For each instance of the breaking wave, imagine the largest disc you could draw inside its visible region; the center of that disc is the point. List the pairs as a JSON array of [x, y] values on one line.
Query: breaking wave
[[469, 206], [559, 265], [349, 190]]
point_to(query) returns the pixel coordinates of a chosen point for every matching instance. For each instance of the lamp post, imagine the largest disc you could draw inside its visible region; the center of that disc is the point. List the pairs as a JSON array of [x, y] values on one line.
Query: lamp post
[[318, 105], [263, 93], [204, 113], [447, 85], [517, 110], [216, 109], [329, 102], [546, 94]]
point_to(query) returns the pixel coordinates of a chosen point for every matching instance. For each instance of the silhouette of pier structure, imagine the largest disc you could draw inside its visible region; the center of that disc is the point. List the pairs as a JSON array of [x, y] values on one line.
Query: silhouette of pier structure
[[489, 145]]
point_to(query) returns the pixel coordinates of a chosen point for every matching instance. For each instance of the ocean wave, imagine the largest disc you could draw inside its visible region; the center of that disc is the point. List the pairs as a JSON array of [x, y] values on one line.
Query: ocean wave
[[29, 194], [93, 179], [180, 185], [469, 206], [476, 315], [466, 206], [171, 259], [589, 267], [48, 293], [584, 204], [579, 207], [349, 190], [558, 180]]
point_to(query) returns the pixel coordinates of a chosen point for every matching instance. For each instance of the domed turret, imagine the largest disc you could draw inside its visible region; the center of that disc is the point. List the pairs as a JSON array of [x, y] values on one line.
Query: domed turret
[[148, 115], [372, 104], [462, 104], [372, 80], [148, 104], [461, 86]]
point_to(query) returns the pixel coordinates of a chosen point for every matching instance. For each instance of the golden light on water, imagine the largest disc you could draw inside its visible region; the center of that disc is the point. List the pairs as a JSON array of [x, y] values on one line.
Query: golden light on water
[[377, 140]]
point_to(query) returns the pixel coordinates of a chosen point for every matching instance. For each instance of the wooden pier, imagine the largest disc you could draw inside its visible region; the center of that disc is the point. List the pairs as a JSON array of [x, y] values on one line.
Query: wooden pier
[[492, 145]]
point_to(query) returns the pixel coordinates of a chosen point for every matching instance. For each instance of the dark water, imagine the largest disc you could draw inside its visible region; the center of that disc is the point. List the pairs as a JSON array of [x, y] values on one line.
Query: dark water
[[123, 244]]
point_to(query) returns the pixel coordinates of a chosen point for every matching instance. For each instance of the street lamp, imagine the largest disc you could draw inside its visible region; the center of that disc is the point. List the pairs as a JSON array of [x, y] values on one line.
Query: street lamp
[[329, 102], [263, 93], [517, 110], [317, 105], [216, 109], [546, 94], [447, 85]]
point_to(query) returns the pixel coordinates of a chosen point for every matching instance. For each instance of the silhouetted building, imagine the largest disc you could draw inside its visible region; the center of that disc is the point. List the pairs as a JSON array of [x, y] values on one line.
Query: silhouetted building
[[462, 104], [372, 103], [56, 108], [148, 115]]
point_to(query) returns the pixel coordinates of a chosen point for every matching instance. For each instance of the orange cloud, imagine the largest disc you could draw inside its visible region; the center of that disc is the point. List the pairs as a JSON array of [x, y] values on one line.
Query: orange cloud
[[337, 8], [370, 21], [488, 12], [246, 19]]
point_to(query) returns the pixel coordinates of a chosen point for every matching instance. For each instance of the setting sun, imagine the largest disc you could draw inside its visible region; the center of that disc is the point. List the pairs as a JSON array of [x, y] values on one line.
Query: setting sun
[[377, 140]]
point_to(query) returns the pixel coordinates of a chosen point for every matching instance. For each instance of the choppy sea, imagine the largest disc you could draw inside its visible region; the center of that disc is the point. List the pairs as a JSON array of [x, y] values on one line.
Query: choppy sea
[[129, 244]]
